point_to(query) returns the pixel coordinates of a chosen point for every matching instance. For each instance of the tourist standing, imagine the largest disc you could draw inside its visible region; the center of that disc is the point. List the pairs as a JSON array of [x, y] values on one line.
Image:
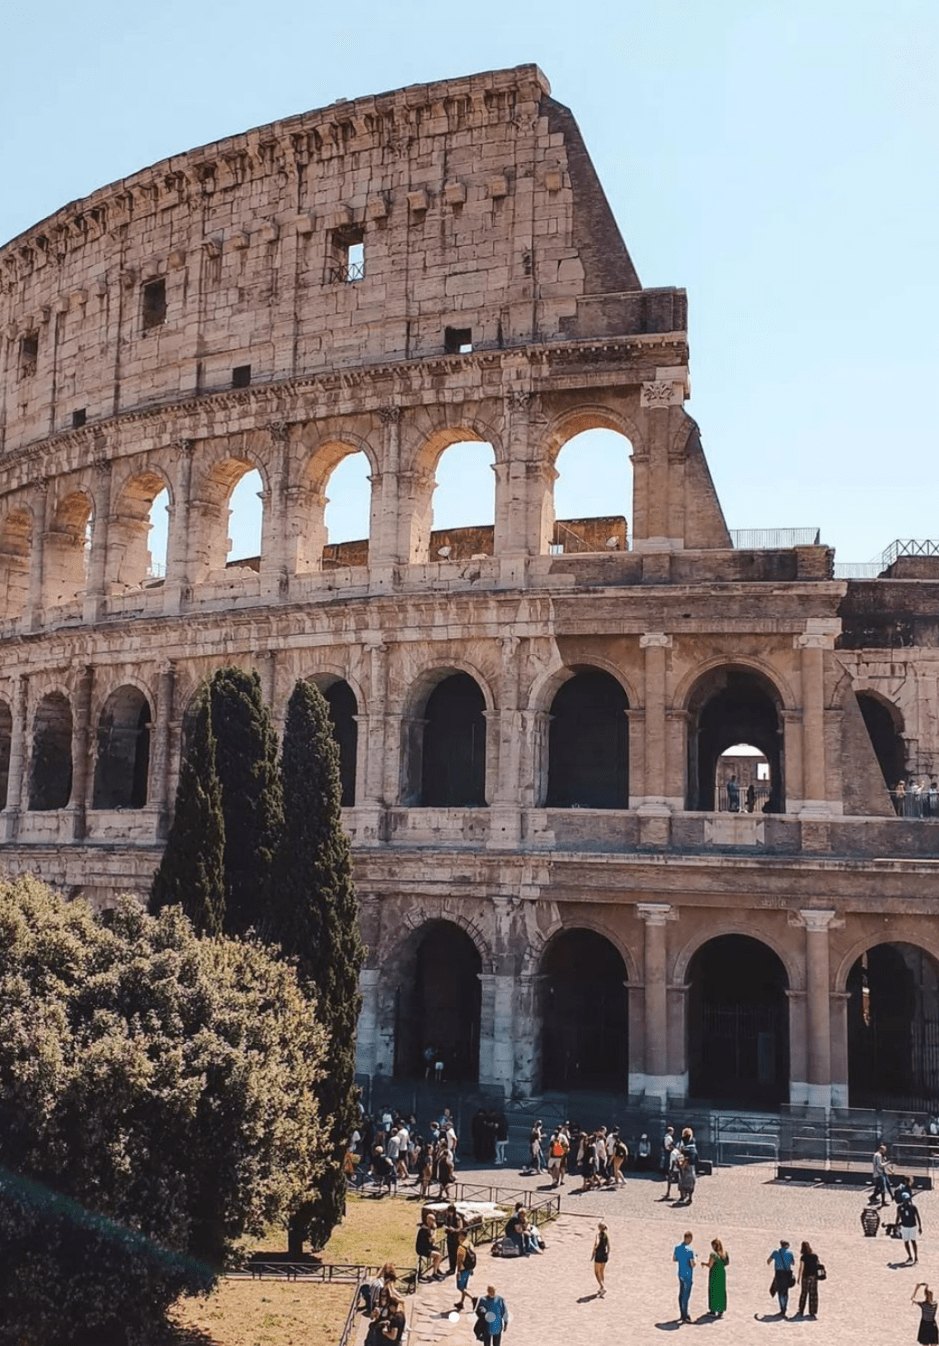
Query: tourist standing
[[493, 1314], [685, 1257], [717, 1265], [910, 1225], [453, 1223], [808, 1280], [601, 1255], [686, 1180], [502, 1137], [782, 1262], [928, 1334], [879, 1174]]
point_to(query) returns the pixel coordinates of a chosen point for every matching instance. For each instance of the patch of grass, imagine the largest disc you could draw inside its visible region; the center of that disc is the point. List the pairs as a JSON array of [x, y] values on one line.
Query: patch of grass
[[375, 1231], [277, 1313]]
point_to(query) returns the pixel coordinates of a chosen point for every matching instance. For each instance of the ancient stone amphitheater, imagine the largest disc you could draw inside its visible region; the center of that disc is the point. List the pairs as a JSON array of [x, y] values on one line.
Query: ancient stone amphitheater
[[562, 886]]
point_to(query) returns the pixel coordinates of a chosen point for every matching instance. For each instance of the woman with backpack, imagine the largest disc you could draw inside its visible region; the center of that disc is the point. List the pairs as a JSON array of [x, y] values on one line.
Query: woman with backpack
[[465, 1265]]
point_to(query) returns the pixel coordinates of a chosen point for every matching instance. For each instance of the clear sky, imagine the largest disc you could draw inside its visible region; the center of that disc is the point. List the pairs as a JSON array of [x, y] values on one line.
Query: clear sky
[[778, 158]]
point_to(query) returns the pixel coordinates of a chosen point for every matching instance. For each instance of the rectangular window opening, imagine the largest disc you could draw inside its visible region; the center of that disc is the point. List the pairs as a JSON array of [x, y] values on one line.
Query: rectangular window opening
[[241, 376], [29, 353], [154, 304], [458, 340], [346, 262], [79, 418]]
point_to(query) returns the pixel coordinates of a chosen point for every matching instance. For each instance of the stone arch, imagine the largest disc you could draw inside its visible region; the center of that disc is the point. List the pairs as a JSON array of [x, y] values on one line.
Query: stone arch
[[892, 989], [221, 470], [307, 525], [16, 532], [6, 743], [545, 687], [791, 963], [130, 562], [344, 707], [434, 976], [67, 548], [728, 704], [582, 522], [50, 767], [567, 424], [537, 940], [892, 931], [883, 720], [444, 738], [684, 689], [584, 1011], [122, 757], [426, 436], [588, 742]]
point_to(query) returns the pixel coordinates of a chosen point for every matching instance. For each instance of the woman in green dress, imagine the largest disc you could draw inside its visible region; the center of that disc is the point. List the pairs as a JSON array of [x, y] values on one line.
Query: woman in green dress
[[717, 1279]]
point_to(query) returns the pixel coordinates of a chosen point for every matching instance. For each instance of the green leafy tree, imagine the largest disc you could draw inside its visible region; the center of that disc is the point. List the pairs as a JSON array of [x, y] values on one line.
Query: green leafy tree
[[252, 804], [157, 1102], [316, 923], [191, 872]]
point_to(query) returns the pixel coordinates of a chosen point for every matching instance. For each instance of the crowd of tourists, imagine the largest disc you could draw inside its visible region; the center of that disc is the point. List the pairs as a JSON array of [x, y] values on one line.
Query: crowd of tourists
[[389, 1148], [600, 1158]]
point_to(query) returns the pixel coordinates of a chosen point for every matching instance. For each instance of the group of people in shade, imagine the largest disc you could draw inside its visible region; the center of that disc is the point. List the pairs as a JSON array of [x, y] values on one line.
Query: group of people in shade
[[390, 1149]]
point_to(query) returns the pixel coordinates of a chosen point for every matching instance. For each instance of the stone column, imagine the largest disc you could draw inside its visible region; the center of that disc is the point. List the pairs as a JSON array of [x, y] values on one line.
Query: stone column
[[366, 1047], [160, 783], [676, 759], [651, 805], [839, 1049], [526, 1043], [384, 548], [80, 751], [792, 790], [274, 531], [176, 585], [94, 598], [657, 1082], [34, 600], [798, 1054], [678, 1041], [653, 528], [818, 1009], [504, 814], [818, 637], [18, 743]]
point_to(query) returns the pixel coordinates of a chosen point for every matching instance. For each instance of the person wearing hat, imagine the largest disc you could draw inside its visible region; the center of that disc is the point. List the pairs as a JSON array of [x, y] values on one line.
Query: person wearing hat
[[782, 1260]]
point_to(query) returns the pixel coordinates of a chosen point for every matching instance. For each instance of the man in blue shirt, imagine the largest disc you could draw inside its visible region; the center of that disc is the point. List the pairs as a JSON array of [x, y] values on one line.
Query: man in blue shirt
[[782, 1261], [684, 1256]]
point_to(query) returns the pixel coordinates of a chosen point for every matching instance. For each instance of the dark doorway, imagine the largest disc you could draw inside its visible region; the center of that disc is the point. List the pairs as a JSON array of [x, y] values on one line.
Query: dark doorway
[[343, 708], [585, 1024], [893, 1028], [884, 726], [438, 1004], [453, 764], [738, 1024], [731, 706], [50, 777], [6, 737], [588, 745], [122, 763]]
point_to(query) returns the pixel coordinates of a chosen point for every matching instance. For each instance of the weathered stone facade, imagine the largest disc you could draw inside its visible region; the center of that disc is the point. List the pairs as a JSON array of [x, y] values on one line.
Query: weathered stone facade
[[393, 275]]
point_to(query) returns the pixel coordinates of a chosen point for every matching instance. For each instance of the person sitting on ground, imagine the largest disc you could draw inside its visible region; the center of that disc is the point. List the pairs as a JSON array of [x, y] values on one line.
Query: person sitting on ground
[[393, 1326], [425, 1245], [529, 1232], [514, 1225], [870, 1218]]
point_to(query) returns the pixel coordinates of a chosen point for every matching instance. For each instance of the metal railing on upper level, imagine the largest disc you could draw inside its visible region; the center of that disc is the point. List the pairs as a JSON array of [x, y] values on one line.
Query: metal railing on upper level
[[759, 539], [872, 569]]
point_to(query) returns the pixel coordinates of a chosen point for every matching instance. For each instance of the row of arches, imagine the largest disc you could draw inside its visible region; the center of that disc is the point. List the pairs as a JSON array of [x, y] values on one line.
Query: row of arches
[[445, 743], [737, 1021], [227, 526]]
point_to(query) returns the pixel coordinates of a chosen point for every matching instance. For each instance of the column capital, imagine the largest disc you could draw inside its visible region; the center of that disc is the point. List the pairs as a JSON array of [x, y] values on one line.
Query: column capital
[[655, 639], [656, 913], [818, 919]]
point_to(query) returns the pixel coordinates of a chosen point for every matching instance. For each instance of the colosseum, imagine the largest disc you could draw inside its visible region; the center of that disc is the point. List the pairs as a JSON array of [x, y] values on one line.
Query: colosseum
[[637, 804]]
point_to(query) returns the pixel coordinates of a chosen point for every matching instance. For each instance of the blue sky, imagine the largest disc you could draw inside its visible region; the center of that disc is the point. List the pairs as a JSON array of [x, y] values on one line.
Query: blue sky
[[776, 159]]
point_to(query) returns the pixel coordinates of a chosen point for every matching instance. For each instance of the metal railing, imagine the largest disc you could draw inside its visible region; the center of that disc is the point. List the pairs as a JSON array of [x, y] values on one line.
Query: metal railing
[[347, 274], [916, 803], [875, 567], [760, 539], [727, 802]]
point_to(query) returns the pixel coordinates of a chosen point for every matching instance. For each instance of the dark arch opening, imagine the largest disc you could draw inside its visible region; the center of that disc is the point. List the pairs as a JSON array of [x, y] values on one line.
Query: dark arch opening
[[588, 744], [893, 1028], [884, 732], [50, 777], [122, 762], [343, 709], [738, 1023], [453, 760], [585, 1014], [730, 706], [6, 738], [438, 1003]]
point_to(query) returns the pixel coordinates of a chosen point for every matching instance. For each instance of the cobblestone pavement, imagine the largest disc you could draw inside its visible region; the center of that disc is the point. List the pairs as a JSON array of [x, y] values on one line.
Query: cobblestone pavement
[[552, 1298]]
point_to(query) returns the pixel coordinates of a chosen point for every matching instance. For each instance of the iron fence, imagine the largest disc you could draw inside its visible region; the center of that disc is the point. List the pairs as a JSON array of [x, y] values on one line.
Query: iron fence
[[759, 539], [916, 803]]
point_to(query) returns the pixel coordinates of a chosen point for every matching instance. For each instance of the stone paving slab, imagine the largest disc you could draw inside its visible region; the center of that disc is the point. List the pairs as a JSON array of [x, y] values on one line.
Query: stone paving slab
[[552, 1297]]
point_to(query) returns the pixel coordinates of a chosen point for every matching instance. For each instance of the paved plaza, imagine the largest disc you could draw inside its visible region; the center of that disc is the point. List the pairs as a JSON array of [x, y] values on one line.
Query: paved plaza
[[552, 1298]]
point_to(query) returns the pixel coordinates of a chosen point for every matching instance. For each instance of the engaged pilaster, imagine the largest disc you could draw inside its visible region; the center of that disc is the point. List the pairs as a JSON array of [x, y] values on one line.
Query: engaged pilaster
[[817, 923], [656, 1080]]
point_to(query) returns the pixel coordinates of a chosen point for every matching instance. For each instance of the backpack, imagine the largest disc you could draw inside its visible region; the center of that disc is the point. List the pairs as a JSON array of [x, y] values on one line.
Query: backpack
[[469, 1261]]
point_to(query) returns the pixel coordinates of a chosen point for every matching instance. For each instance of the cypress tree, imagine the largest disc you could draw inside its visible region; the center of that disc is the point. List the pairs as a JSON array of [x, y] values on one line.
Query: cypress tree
[[317, 923], [191, 872], [252, 804]]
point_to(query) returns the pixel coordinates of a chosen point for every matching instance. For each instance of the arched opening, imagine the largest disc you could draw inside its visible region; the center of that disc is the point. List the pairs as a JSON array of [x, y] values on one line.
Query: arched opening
[[463, 503], [15, 536], [6, 738], [245, 521], [738, 1023], [67, 550], [343, 708], [347, 512], [742, 784], [50, 776], [893, 1028], [450, 743], [137, 536], [437, 1003], [593, 493], [729, 707], [885, 727], [588, 743], [122, 761], [585, 1014]]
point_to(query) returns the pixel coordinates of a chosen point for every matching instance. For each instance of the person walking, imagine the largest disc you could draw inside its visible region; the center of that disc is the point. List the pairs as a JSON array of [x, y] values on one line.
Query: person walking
[[928, 1334], [502, 1137], [908, 1217], [808, 1280], [465, 1265], [493, 1315], [717, 1265], [686, 1180], [668, 1144], [453, 1223], [782, 1262], [685, 1257], [601, 1255]]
